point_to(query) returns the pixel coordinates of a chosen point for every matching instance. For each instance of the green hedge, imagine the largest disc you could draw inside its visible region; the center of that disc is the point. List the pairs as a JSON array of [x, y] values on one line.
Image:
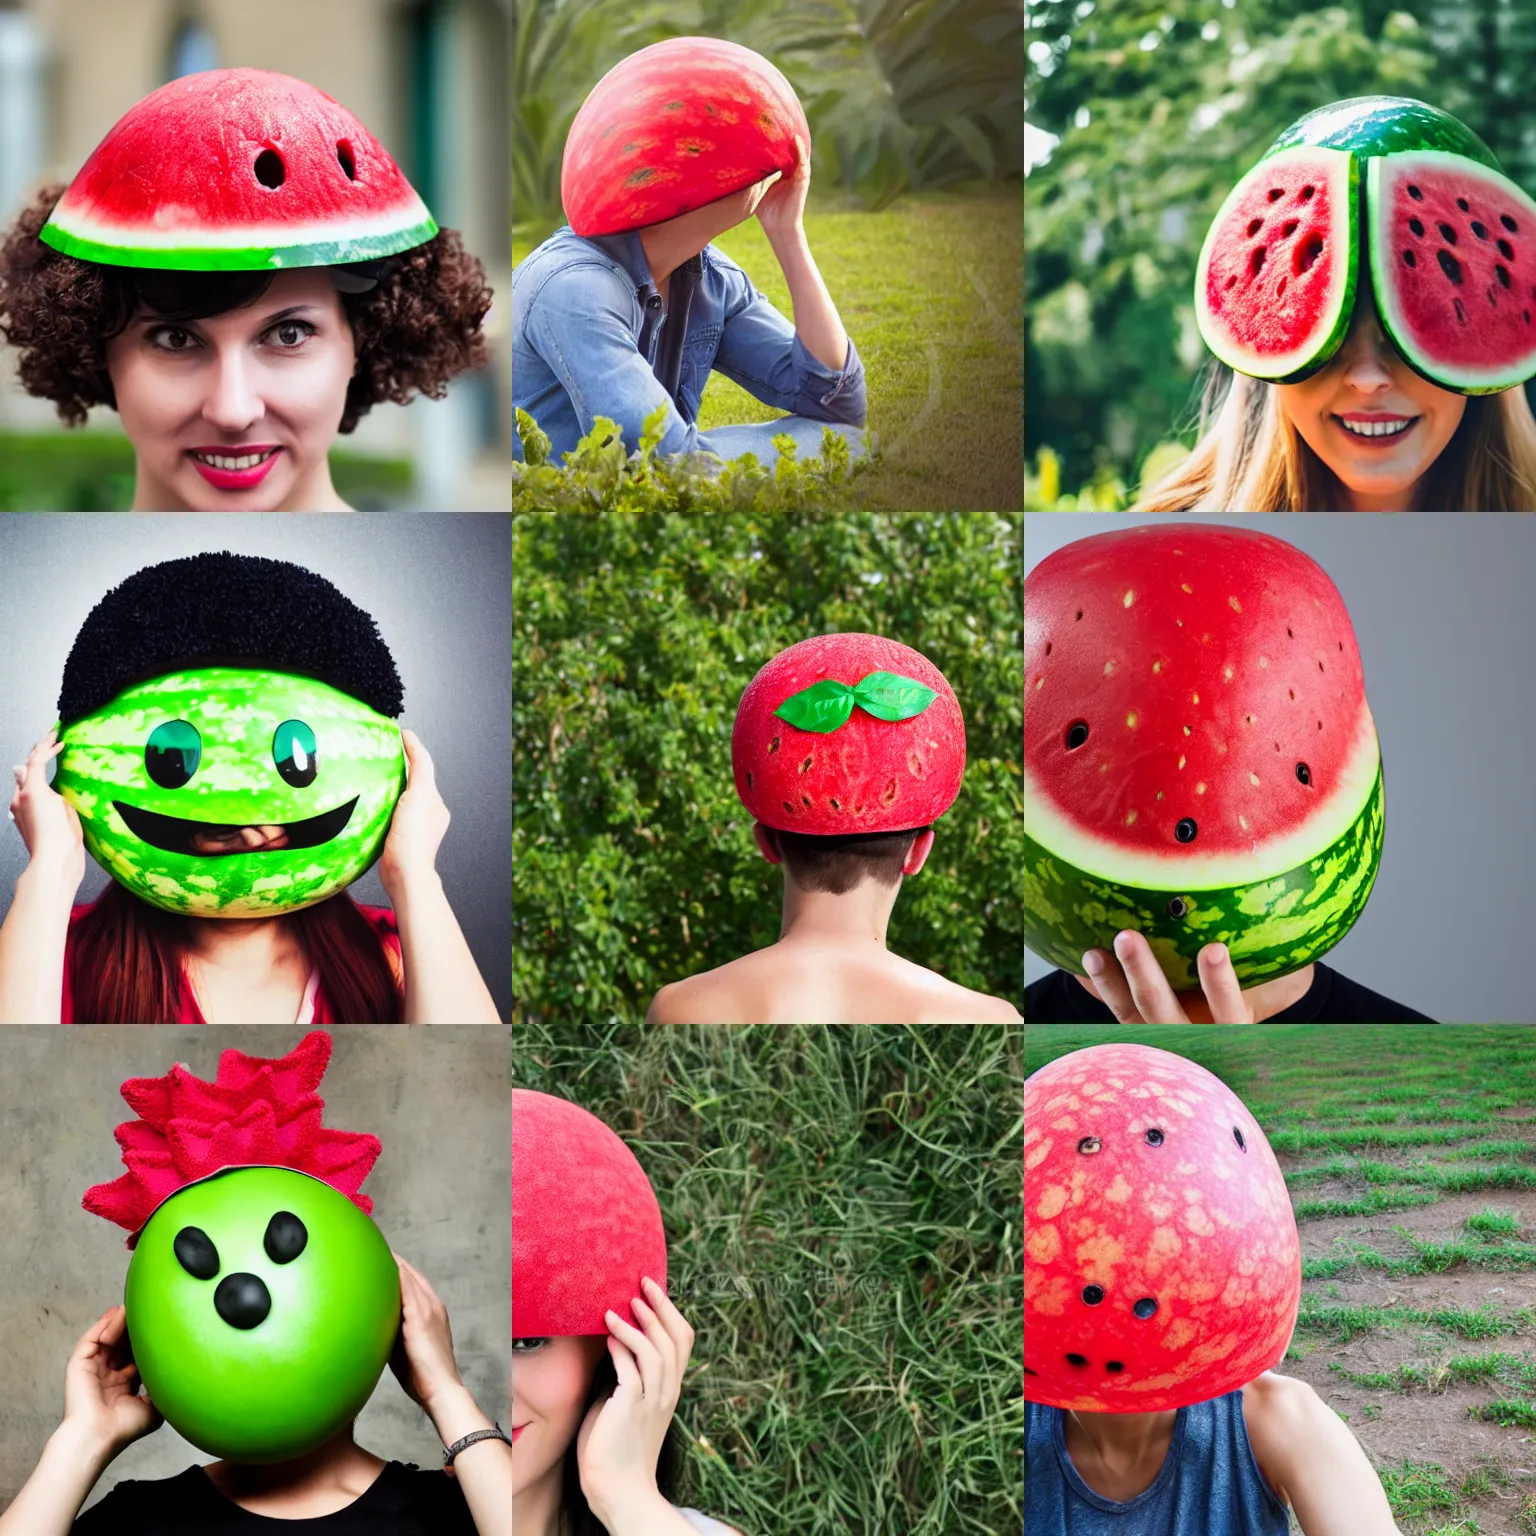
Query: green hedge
[[634, 636], [842, 1213]]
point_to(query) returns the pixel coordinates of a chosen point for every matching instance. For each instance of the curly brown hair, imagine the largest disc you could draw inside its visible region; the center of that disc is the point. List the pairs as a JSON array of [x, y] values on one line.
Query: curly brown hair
[[418, 327]]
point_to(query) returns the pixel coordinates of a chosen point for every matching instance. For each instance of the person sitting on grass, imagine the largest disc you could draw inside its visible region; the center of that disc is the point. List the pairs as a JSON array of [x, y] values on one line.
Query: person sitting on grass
[[1162, 1284], [631, 305], [846, 749]]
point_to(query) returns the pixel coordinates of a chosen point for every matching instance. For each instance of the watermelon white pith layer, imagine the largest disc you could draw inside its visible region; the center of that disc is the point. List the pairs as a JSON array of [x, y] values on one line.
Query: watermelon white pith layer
[[177, 182], [1453, 267], [1275, 286]]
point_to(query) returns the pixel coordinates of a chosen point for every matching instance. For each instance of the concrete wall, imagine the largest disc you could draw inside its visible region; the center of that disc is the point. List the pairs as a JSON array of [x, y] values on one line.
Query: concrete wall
[[438, 1099]]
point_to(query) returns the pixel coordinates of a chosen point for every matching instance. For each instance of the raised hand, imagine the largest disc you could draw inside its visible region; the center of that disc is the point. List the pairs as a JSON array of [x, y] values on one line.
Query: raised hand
[[419, 824], [101, 1387], [1131, 984], [48, 823]]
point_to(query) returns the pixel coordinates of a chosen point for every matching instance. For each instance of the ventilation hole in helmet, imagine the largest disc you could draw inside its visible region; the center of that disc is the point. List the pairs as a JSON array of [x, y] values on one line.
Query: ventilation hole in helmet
[[1093, 1294], [1078, 1360], [1145, 1307], [1186, 829], [270, 170], [1077, 734], [1303, 773], [1177, 906], [1237, 1136], [1115, 1366], [346, 159], [1029, 1370]]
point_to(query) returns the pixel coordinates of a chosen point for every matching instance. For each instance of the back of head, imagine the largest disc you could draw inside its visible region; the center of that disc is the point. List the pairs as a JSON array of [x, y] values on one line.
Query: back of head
[[837, 865]]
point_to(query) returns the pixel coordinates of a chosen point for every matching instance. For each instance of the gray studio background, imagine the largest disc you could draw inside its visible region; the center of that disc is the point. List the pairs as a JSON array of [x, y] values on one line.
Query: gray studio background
[[1444, 607], [440, 589], [442, 1192]]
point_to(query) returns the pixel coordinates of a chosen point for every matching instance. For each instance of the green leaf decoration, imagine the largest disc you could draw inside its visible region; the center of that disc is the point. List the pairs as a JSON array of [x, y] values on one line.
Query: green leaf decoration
[[826, 705]]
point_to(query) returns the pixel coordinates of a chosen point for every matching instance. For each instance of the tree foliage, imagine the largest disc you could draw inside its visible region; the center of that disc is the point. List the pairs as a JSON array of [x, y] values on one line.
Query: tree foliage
[[1159, 106], [635, 636]]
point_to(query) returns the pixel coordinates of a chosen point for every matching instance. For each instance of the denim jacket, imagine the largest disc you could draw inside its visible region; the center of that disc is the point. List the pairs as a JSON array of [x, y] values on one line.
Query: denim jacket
[[586, 321]]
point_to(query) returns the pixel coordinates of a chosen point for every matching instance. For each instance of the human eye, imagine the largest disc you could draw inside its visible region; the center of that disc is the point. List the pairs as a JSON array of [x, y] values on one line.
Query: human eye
[[527, 1346], [171, 338], [290, 335]]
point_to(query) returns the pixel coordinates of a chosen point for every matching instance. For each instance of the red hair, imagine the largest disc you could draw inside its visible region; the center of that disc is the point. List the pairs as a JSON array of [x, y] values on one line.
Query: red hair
[[127, 961]]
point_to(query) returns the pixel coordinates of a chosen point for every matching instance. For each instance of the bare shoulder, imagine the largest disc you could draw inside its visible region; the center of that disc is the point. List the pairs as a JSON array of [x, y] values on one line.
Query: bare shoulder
[[947, 1002], [711, 997]]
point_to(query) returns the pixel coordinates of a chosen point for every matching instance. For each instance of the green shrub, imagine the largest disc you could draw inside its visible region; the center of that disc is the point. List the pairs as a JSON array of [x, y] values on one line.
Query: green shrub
[[600, 473], [634, 636]]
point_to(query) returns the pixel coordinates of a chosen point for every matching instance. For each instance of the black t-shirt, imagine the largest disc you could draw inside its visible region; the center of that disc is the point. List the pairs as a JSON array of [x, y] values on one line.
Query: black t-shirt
[[403, 1501], [1331, 999]]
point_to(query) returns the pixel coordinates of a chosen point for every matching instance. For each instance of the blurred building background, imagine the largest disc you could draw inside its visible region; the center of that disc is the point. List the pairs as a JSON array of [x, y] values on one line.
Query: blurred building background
[[430, 78]]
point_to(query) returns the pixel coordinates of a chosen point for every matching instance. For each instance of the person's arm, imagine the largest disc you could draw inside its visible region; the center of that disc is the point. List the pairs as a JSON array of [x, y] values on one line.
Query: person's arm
[[1312, 1462], [33, 934], [103, 1413], [443, 984], [424, 1364]]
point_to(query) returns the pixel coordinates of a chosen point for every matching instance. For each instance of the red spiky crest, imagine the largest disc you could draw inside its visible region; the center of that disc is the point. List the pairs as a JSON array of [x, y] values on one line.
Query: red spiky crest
[[258, 1112]]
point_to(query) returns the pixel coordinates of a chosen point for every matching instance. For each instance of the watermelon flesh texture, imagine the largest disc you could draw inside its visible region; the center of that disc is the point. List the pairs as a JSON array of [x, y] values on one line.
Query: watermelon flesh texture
[[1200, 762], [238, 170], [1275, 286], [673, 127], [1453, 268]]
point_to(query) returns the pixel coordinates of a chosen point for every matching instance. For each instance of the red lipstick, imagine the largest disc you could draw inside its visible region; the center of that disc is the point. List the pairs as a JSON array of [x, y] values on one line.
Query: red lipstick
[[235, 469]]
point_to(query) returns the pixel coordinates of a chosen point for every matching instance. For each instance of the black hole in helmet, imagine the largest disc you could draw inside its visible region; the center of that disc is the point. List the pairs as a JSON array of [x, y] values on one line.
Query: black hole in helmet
[[1154, 1137], [1237, 1136], [346, 159], [1088, 1145], [1077, 734], [1145, 1307], [1186, 829], [195, 1253], [1177, 906], [1077, 1360], [270, 170], [1303, 773], [1093, 1294], [1116, 1366]]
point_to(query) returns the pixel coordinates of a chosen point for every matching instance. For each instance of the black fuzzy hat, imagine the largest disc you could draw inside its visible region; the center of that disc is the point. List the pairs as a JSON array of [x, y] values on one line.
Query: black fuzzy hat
[[227, 610]]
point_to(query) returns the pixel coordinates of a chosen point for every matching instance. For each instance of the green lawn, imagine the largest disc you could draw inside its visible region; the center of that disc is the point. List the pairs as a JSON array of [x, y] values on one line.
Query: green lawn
[[931, 290]]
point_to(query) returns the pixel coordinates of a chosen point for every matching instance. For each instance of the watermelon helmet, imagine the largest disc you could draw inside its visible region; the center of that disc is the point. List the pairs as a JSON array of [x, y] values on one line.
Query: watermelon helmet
[[1200, 761], [1384, 190], [848, 734], [238, 170], [585, 1223], [262, 1300], [1161, 1261], [210, 696], [673, 127]]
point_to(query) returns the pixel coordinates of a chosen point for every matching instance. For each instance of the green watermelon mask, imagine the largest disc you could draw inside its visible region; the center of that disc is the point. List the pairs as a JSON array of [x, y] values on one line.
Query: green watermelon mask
[[1200, 762], [169, 773], [1389, 187]]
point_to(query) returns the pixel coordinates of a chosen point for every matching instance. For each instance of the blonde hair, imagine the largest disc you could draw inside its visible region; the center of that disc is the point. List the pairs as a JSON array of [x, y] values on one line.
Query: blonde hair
[[1249, 458]]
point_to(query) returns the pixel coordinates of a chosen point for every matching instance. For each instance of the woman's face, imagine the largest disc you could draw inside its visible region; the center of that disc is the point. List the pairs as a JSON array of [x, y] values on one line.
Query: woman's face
[[550, 1382], [237, 412], [1370, 418]]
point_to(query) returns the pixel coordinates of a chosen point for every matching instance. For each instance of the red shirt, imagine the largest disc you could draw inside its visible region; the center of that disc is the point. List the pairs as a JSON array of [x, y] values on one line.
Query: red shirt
[[315, 1009]]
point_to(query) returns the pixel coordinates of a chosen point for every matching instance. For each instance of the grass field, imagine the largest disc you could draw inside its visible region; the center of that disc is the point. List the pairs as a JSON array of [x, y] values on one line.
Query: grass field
[[1410, 1154], [841, 1207], [930, 289]]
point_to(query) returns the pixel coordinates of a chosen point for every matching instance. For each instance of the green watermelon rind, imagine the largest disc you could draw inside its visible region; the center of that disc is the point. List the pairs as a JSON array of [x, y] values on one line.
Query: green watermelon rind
[[328, 248], [1463, 381], [1270, 927], [1383, 125], [1304, 361]]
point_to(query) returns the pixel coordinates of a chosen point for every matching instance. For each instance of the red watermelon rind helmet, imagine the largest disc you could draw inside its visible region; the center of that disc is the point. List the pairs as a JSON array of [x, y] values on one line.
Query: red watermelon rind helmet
[[848, 735], [1162, 1265], [586, 1225], [674, 127]]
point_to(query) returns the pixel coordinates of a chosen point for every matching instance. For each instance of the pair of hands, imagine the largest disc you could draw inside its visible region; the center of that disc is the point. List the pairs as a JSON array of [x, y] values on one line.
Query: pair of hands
[[50, 826], [101, 1383], [621, 1436], [1130, 983]]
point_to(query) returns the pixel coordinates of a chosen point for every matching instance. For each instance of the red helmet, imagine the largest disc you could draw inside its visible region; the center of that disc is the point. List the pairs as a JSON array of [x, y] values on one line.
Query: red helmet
[[847, 734], [585, 1222], [1161, 1261]]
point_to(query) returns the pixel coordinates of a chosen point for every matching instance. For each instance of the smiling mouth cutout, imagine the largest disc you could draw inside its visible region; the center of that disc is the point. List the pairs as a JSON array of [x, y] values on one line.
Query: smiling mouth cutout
[[176, 835]]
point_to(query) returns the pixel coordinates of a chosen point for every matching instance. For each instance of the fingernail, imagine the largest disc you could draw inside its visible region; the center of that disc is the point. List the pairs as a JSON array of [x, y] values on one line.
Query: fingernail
[[1093, 963], [1218, 953]]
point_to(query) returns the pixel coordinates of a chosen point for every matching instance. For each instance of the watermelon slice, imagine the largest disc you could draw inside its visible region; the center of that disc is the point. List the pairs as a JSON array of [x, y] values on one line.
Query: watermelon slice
[[673, 127], [238, 170], [1162, 1265], [1449, 242], [1453, 266], [1276, 280], [1200, 762]]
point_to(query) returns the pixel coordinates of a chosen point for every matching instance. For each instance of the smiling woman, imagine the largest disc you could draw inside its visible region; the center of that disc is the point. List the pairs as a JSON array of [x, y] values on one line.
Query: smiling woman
[[238, 331]]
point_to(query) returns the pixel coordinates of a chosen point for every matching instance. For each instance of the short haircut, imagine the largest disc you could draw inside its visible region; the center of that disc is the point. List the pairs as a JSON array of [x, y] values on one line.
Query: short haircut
[[414, 330], [839, 864]]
